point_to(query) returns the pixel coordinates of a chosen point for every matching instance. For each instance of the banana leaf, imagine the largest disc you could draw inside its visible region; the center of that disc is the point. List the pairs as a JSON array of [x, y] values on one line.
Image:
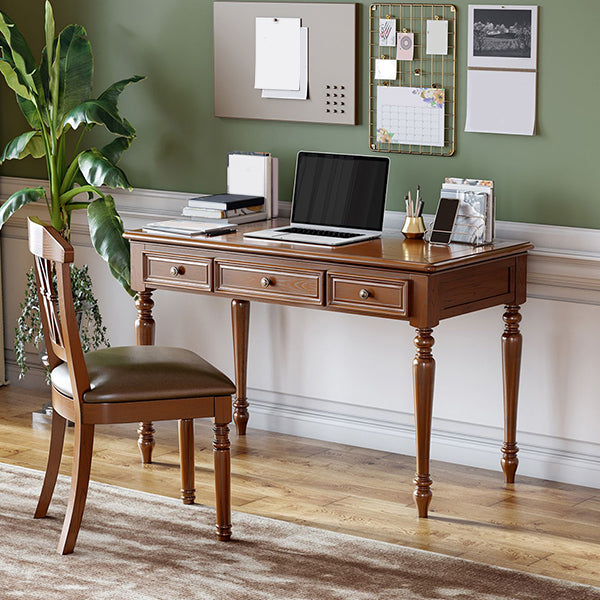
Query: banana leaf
[[115, 149], [111, 94], [99, 112], [98, 170], [20, 51], [19, 199], [106, 232], [24, 145], [30, 112], [12, 79]]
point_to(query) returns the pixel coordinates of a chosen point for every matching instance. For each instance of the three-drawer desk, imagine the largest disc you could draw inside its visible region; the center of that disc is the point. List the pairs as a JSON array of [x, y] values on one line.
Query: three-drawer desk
[[391, 277]]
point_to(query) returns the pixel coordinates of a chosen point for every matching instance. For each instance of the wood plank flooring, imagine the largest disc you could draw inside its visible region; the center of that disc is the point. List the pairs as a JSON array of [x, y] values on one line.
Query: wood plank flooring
[[536, 526]]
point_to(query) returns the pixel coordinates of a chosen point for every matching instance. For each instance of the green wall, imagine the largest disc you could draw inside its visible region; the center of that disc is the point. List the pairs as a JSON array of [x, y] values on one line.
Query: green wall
[[550, 178]]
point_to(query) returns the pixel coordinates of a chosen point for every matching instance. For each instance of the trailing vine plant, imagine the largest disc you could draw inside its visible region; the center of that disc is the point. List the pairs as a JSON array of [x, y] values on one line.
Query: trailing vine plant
[[29, 325]]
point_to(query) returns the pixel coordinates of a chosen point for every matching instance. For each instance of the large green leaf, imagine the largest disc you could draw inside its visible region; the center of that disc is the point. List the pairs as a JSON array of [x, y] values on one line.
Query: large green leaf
[[99, 112], [27, 143], [98, 170], [49, 29], [12, 79], [19, 199], [76, 69], [115, 149], [20, 51], [30, 111], [111, 94], [106, 232]]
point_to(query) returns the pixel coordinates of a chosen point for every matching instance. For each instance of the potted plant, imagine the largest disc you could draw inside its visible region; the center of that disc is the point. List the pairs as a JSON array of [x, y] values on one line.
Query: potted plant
[[55, 96]]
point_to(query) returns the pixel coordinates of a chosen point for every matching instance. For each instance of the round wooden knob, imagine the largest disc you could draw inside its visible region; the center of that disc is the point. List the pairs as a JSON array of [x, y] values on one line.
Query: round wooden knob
[[265, 282], [364, 294], [176, 271]]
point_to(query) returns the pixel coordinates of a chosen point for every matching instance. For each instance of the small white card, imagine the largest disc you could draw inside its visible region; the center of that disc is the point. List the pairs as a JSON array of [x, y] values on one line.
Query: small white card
[[387, 32], [386, 68], [406, 46], [437, 37]]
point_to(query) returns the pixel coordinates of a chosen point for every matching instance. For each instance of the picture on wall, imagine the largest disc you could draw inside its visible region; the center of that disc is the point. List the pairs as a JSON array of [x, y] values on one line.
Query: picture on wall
[[503, 36]]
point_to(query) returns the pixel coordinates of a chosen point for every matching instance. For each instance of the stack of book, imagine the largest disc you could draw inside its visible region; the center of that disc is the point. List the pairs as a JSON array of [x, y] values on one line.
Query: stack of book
[[226, 208], [252, 191]]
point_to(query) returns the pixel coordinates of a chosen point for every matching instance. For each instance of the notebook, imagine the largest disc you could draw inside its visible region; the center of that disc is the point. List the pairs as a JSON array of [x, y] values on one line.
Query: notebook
[[338, 199]]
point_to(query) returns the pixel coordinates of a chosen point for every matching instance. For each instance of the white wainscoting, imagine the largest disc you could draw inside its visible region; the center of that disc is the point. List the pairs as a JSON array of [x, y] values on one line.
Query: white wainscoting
[[346, 378]]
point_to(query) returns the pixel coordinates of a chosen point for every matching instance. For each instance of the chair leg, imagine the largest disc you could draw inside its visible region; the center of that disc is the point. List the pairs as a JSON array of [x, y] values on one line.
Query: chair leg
[[186, 456], [82, 462], [221, 452], [57, 438]]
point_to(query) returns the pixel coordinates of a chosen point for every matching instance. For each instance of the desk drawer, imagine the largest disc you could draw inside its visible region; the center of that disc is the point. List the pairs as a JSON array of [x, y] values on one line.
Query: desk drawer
[[169, 270], [265, 281], [368, 295]]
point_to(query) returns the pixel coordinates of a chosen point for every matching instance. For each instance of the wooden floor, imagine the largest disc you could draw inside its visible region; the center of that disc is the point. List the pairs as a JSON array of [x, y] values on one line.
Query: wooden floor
[[535, 526]]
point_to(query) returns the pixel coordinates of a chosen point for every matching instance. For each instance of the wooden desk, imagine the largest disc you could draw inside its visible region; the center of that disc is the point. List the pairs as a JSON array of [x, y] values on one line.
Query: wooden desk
[[390, 277]]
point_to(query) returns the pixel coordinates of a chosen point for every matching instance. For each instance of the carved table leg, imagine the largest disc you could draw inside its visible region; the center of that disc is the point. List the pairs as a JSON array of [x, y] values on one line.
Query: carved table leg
[[512, 343], [240, 319], [423, 380], [144, 336]]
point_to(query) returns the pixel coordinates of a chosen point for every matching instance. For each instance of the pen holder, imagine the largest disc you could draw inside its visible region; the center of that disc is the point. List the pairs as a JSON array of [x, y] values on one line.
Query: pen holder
[[413, 228]]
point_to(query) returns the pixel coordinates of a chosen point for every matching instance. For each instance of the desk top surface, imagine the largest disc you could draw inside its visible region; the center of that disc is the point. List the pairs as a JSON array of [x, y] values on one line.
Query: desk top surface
[[391, 250]]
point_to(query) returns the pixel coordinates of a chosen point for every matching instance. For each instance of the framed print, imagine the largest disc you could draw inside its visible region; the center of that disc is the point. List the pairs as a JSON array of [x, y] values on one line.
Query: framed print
[[502, 36]]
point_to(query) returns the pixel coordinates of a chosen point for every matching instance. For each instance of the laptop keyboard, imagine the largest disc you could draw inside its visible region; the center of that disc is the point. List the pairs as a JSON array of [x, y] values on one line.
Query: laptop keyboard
[[321, 232]]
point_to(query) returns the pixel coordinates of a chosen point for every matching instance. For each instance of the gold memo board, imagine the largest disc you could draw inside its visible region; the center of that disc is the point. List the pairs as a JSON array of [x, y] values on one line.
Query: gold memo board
[[425, 70]]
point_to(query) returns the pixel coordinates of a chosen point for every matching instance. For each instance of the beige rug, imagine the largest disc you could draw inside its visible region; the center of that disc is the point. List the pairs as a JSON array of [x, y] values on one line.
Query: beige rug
[[137, 546]]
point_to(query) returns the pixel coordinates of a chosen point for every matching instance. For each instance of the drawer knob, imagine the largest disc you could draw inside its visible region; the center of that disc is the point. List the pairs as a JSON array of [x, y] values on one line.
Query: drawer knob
[[175, 271], [364, 294], [265, 282]]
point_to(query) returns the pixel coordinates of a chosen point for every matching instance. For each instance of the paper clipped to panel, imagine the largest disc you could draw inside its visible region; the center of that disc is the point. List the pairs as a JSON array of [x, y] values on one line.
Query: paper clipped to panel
[[302, 93], [437, 37], [277, 53], [501, 102], [410, 115]]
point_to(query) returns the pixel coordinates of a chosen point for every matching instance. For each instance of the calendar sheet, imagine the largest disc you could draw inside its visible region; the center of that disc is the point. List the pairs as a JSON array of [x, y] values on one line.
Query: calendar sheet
[[410, 115]]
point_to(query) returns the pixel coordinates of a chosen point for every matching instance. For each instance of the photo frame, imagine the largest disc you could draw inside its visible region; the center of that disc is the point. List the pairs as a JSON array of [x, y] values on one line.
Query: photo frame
[[503, 36]]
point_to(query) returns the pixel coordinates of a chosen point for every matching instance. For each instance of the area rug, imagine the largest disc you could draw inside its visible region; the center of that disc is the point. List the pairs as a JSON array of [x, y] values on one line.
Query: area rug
[[139, 546]]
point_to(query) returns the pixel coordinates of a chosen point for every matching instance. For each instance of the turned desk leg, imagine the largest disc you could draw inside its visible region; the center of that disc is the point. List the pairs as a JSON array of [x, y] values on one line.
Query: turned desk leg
[[512, 343], [240, 319], [144, 336], [423, 380]]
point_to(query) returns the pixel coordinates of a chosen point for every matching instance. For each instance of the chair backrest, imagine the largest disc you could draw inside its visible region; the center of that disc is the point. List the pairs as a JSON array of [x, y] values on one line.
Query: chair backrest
[[54, 255]]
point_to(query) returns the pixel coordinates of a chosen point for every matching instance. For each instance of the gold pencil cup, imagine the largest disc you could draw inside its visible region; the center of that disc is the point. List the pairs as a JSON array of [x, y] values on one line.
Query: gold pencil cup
[[414, 228]]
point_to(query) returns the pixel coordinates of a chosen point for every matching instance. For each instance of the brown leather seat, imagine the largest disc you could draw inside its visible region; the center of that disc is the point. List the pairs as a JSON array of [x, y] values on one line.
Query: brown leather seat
[[120, 385], [130, 373]]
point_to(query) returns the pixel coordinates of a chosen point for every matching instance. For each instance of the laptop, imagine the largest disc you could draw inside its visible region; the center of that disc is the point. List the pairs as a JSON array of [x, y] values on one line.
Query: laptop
[[338, 199]]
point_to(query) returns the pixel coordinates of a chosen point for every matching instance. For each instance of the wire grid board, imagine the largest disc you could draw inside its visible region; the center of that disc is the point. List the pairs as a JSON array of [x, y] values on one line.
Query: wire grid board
[[427, 71]]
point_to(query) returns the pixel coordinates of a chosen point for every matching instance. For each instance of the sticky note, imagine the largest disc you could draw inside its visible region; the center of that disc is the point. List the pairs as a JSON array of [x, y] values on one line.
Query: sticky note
[[437, 37], [385, 68]]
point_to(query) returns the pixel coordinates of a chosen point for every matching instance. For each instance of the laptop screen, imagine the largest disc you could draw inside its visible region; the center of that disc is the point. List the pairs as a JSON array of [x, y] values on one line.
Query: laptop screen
[[340, 190]]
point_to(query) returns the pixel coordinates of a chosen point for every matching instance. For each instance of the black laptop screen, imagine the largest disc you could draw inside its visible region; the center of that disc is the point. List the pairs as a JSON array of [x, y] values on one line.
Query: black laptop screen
[[340, 190]]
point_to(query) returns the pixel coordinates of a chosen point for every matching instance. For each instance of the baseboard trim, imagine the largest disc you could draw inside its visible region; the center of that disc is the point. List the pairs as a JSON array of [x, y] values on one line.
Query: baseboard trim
[[541, 456]]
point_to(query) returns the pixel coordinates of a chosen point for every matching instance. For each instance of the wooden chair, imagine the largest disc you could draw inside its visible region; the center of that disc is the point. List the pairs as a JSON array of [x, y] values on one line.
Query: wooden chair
[[120, 385]]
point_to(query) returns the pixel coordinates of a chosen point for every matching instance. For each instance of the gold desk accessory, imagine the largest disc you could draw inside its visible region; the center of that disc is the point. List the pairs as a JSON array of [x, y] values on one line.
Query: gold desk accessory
[[414, 228]]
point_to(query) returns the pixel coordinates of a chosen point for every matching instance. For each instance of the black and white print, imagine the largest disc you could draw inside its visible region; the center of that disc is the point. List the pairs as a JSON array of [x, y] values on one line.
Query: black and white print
[[502, 36]]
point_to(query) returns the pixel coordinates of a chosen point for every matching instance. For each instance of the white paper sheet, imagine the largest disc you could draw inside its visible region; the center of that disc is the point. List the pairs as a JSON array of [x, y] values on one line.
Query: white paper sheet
[[302, 93], [408, 115], [278, 61], [386, 69], [437, 37], [501, 102], [248, 174]]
